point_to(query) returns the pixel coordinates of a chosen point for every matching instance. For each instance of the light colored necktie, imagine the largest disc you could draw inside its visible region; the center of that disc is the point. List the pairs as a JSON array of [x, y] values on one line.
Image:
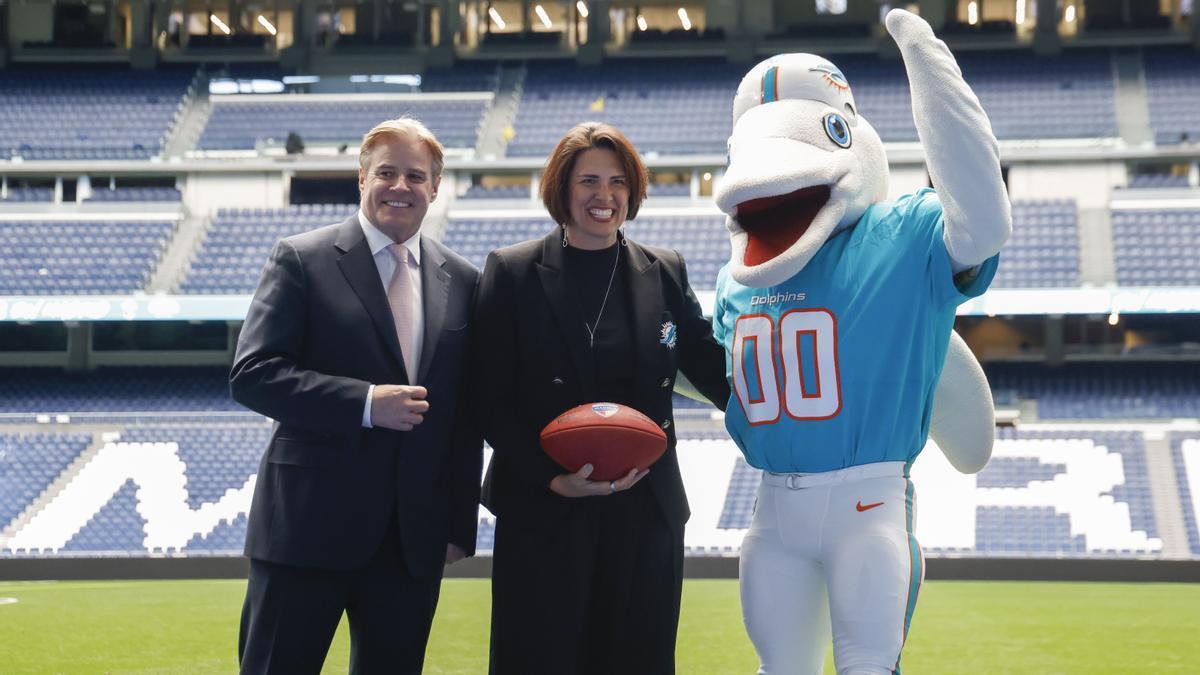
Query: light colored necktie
[[400, 297]]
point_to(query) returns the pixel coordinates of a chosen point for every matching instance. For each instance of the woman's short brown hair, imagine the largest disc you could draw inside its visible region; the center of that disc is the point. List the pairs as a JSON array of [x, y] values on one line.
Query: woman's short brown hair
[[556, 178]]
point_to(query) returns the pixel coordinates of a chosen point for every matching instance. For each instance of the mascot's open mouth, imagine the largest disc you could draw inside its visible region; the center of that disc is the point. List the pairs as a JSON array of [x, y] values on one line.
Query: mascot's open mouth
[[773, 224]]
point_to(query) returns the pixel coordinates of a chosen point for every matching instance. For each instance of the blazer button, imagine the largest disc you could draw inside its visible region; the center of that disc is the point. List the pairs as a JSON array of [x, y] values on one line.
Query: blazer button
[[557, 380], [666, 382], [666, 424]]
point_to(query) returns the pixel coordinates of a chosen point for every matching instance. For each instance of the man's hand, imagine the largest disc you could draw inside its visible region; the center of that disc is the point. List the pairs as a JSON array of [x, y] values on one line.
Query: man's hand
[[398, 406], [454, 554], [577, 484]]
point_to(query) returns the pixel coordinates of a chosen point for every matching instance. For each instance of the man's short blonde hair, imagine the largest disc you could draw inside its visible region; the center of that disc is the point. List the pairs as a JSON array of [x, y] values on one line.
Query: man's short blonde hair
[[406, 128]]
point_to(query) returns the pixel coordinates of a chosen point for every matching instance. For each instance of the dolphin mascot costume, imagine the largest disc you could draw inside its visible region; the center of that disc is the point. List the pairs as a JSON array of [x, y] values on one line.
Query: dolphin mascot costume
[[836, 311]]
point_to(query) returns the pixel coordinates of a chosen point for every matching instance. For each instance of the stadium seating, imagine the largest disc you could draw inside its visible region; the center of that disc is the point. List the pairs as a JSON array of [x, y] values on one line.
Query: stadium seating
[[1104, 390], [497, 192], [1158, 180], [1018, 91], [1135, 491], [239, 125], [227, 538], [1043, 251], [217, 457], [29, 463], [83, 114], [239, 241], [117, 528], [1173, 93], [1156, 247], [463, 77], [668, 106], [30, 194], [685, 107], [1012, 515], [79, 257], [155, 487], [1072, 95], [703, 240], [184, 487], [115, 390], [135, 194], [1187, 473]]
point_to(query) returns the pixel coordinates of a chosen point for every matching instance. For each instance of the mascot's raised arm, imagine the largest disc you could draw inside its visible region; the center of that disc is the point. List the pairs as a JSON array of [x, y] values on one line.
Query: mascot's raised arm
[[836, 310]]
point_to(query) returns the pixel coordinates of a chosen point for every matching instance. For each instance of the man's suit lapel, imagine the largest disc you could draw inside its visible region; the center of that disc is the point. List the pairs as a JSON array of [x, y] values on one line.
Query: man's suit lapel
[[645, 290], [435, 291], [358, 266], [566, 311]]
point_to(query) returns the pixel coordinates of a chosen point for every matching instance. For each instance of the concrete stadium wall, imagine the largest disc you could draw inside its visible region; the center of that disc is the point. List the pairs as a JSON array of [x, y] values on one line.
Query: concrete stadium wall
[[1089, 184], [977, 569], [205, 192]]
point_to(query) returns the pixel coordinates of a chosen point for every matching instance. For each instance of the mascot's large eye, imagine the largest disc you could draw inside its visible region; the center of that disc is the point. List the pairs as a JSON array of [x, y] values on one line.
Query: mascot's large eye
[[837, 129]]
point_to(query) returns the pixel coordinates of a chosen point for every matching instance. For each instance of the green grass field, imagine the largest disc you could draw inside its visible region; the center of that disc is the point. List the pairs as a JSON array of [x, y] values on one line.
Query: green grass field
[[960, 627]]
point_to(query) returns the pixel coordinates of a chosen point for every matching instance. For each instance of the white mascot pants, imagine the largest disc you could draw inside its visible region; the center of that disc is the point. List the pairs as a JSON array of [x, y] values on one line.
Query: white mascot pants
[[831, 550]]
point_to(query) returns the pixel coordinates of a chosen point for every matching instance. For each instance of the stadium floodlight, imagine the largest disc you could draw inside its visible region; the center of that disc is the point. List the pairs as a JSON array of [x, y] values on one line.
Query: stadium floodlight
[[541, 12], [219, 24], [641, 21], [262, 21], [499, 20], [683, 19], [582, 8], [972, 12], [1020, 12]]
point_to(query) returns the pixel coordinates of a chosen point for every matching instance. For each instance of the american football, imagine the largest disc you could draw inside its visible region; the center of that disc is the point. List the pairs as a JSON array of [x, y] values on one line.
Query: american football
[[612, 438]]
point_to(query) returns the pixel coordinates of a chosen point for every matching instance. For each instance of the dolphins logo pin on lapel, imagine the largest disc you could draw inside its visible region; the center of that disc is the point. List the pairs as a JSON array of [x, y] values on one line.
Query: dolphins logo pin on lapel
[[666, 335]]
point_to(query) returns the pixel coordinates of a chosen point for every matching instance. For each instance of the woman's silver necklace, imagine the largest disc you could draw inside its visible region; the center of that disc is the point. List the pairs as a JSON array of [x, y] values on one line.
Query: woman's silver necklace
[[592, 328]]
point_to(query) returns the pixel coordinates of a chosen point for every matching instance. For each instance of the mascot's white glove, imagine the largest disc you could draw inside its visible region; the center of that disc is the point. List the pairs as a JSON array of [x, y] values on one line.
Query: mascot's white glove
[[961, 152]]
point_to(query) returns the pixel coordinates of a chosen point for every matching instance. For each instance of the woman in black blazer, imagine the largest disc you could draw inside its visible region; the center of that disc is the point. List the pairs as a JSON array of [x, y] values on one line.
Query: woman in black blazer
[[587, 574]]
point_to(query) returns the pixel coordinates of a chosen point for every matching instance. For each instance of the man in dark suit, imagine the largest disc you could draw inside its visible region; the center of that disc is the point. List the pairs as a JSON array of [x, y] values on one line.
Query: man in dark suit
[[354, 344]]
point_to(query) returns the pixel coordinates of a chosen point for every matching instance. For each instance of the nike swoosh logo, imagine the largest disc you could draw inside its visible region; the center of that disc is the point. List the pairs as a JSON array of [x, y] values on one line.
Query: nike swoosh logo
[[866, 507]]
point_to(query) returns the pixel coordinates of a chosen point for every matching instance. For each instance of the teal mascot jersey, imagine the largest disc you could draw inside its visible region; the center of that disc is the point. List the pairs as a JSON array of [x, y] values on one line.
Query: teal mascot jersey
[[837, 366], [836, 311]]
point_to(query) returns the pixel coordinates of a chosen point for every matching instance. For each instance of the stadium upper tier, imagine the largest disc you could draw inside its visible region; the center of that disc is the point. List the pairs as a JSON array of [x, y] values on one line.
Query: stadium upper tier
[[242, 125], [1157, 248], [685, 106], [671, 107], [88, 115], [1173, 93], [79, 257], [1043, 251], [667, 106]]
